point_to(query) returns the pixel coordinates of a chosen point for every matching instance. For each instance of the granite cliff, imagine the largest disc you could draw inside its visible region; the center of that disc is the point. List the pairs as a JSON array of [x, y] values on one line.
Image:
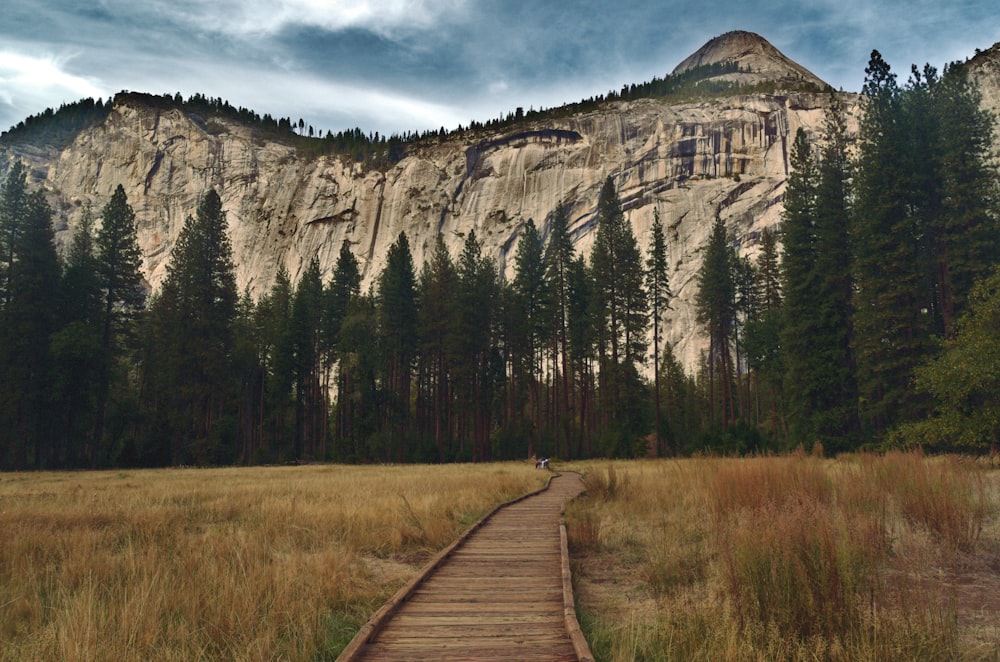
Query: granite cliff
[[693, 159]]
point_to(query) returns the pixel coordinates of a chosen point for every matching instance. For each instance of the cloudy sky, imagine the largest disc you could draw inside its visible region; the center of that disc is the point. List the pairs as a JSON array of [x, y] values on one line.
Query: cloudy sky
[[398, 65]]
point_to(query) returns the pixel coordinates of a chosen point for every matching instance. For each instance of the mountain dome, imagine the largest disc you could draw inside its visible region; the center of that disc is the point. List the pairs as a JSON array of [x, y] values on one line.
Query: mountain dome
[[758, 61]]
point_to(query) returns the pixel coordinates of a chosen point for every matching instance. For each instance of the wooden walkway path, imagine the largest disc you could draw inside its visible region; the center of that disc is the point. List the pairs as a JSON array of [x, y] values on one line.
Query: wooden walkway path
[[501, 592]]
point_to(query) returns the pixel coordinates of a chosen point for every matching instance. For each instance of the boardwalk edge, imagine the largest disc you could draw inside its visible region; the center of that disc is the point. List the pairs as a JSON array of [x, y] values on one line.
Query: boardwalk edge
[[580, 645], [375, 623]]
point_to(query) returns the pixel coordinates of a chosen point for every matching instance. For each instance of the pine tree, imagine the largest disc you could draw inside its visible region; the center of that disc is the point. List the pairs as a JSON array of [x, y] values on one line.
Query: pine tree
[[248, 369], [581, 336], [28, 320], [397, 319], [715, 303], [681, 404], [196, 311], [471, 353], [310, 403], [747, 308], [528, 326], [278, 357], [769, 270], [835, 410], [13, 202], [817, 285], [438, 326], [966, 233], [343, 288], [358, 393], [892, 234], [616, 264], [763, 336], [119, 260], [558, 257], [658, 289], [798, 271], [77, 345]]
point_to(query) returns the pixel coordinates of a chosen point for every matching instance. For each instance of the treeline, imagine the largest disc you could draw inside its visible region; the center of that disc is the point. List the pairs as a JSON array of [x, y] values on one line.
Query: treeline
[[695, 81], [442, 364], [873, 330], [58, 127], [354, 144], [874, 322]]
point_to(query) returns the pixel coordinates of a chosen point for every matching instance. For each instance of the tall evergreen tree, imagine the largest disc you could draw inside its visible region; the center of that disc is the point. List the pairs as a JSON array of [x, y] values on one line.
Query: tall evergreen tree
[[248, 369], [343, 288], [658, 289], [77, 345], [196, 309], [528, 324], [621, 309], [966, 236], [886, 305], [798, 270], [715, 303], [397, 319], [763, 337], [747, 308], [438, 287], [835, 411], [119, 260], [582, 344], [769, 269], [278, 357], [558, 256], [310, 402], [964, 381], [472, 348], [13, 202], [817, 285], [28, 320], [357, 397]]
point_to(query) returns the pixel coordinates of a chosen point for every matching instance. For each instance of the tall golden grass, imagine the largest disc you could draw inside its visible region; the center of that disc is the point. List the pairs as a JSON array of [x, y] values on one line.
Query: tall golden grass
[[235, 564], [787, 558]]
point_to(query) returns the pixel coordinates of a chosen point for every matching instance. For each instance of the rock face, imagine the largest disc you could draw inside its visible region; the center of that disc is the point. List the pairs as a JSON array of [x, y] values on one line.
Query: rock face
[[984, 70], [693, 161]]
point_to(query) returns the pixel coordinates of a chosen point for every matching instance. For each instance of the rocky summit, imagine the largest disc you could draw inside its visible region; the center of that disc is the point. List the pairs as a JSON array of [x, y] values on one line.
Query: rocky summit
[[692, 156], [756, 59]]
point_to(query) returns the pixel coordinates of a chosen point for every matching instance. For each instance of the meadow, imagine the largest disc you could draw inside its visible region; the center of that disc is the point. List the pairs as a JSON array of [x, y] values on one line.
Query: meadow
[[223, 564], [863, 557]]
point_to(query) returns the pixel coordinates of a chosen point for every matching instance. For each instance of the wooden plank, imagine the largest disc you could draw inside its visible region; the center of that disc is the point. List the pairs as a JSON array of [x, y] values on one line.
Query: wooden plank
[[474, 631], [555, 643], [479, 653], [404, 619], [508, 584]]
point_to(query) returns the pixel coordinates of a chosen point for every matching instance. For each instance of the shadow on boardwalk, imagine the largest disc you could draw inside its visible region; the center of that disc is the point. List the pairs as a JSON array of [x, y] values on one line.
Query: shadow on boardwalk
[[500, 592]]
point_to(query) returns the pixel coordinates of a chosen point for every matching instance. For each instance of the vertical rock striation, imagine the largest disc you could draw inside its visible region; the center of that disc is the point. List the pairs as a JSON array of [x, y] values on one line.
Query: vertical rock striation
[[694, 160]]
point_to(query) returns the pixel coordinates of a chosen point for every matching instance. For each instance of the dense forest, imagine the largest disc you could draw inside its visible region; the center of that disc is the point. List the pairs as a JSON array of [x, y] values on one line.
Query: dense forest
[[869, 319]]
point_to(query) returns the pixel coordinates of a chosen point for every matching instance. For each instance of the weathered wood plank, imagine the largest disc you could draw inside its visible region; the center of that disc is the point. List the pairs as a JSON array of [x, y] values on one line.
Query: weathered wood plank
[[478, 619]]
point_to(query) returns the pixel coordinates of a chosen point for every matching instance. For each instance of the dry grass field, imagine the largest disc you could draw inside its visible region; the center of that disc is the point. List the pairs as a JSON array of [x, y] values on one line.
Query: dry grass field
[[892, 557], [223, 564], [885, 558]]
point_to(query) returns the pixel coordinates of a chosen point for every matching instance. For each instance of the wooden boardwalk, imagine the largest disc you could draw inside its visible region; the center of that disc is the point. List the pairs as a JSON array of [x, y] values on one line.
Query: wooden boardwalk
[[501, 592]]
